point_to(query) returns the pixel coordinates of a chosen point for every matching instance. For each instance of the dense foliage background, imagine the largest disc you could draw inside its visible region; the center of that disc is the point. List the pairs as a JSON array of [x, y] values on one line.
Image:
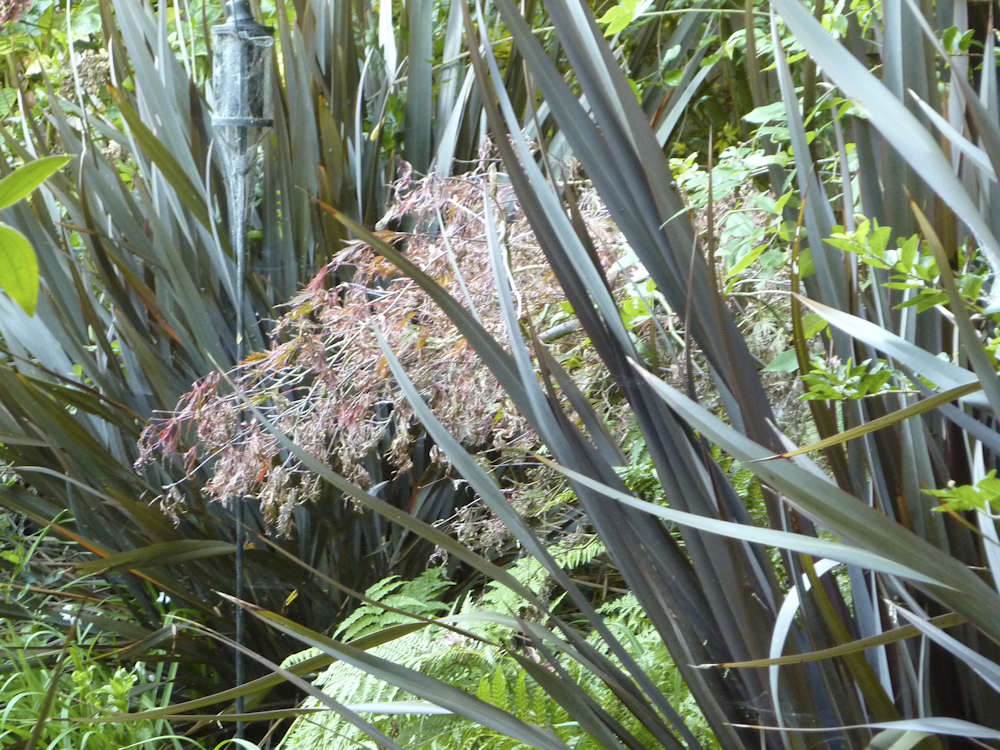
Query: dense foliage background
[[542, 300]]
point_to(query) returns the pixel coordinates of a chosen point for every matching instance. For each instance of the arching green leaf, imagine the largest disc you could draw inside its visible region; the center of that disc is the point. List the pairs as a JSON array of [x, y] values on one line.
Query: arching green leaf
[[18, 268], [23, 180]]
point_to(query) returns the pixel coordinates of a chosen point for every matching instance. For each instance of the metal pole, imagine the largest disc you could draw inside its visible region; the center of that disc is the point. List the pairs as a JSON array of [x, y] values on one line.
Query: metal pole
[[240, 676], [242, 115], [238, 202]]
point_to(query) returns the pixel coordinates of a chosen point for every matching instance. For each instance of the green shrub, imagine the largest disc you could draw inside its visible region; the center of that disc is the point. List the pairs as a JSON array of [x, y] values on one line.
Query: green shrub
[[64, 678]]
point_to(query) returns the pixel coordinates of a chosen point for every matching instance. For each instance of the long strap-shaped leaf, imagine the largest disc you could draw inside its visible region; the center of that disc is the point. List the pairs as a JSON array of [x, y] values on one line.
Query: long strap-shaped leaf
[[771, 537], [499, 362], [890, 636], [724, 617], [960, 589], [921, 407], [488, 491], [740, 629], [626, 164]]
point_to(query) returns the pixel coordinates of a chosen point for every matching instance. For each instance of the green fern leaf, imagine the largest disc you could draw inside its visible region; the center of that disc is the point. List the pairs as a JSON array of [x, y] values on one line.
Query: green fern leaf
[[485, 691]]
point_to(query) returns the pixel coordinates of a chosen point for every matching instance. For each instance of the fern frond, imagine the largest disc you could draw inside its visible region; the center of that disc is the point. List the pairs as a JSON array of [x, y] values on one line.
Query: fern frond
[[418, 596], [487, 671], [300, 657], [571, 556], [522, 702]]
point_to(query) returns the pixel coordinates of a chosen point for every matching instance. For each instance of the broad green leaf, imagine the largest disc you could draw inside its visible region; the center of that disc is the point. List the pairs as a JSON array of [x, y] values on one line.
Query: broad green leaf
[[618, 17], [787, 361], [774, 112], [18, 268], [745, 261], [23, 180], [813, 324]]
